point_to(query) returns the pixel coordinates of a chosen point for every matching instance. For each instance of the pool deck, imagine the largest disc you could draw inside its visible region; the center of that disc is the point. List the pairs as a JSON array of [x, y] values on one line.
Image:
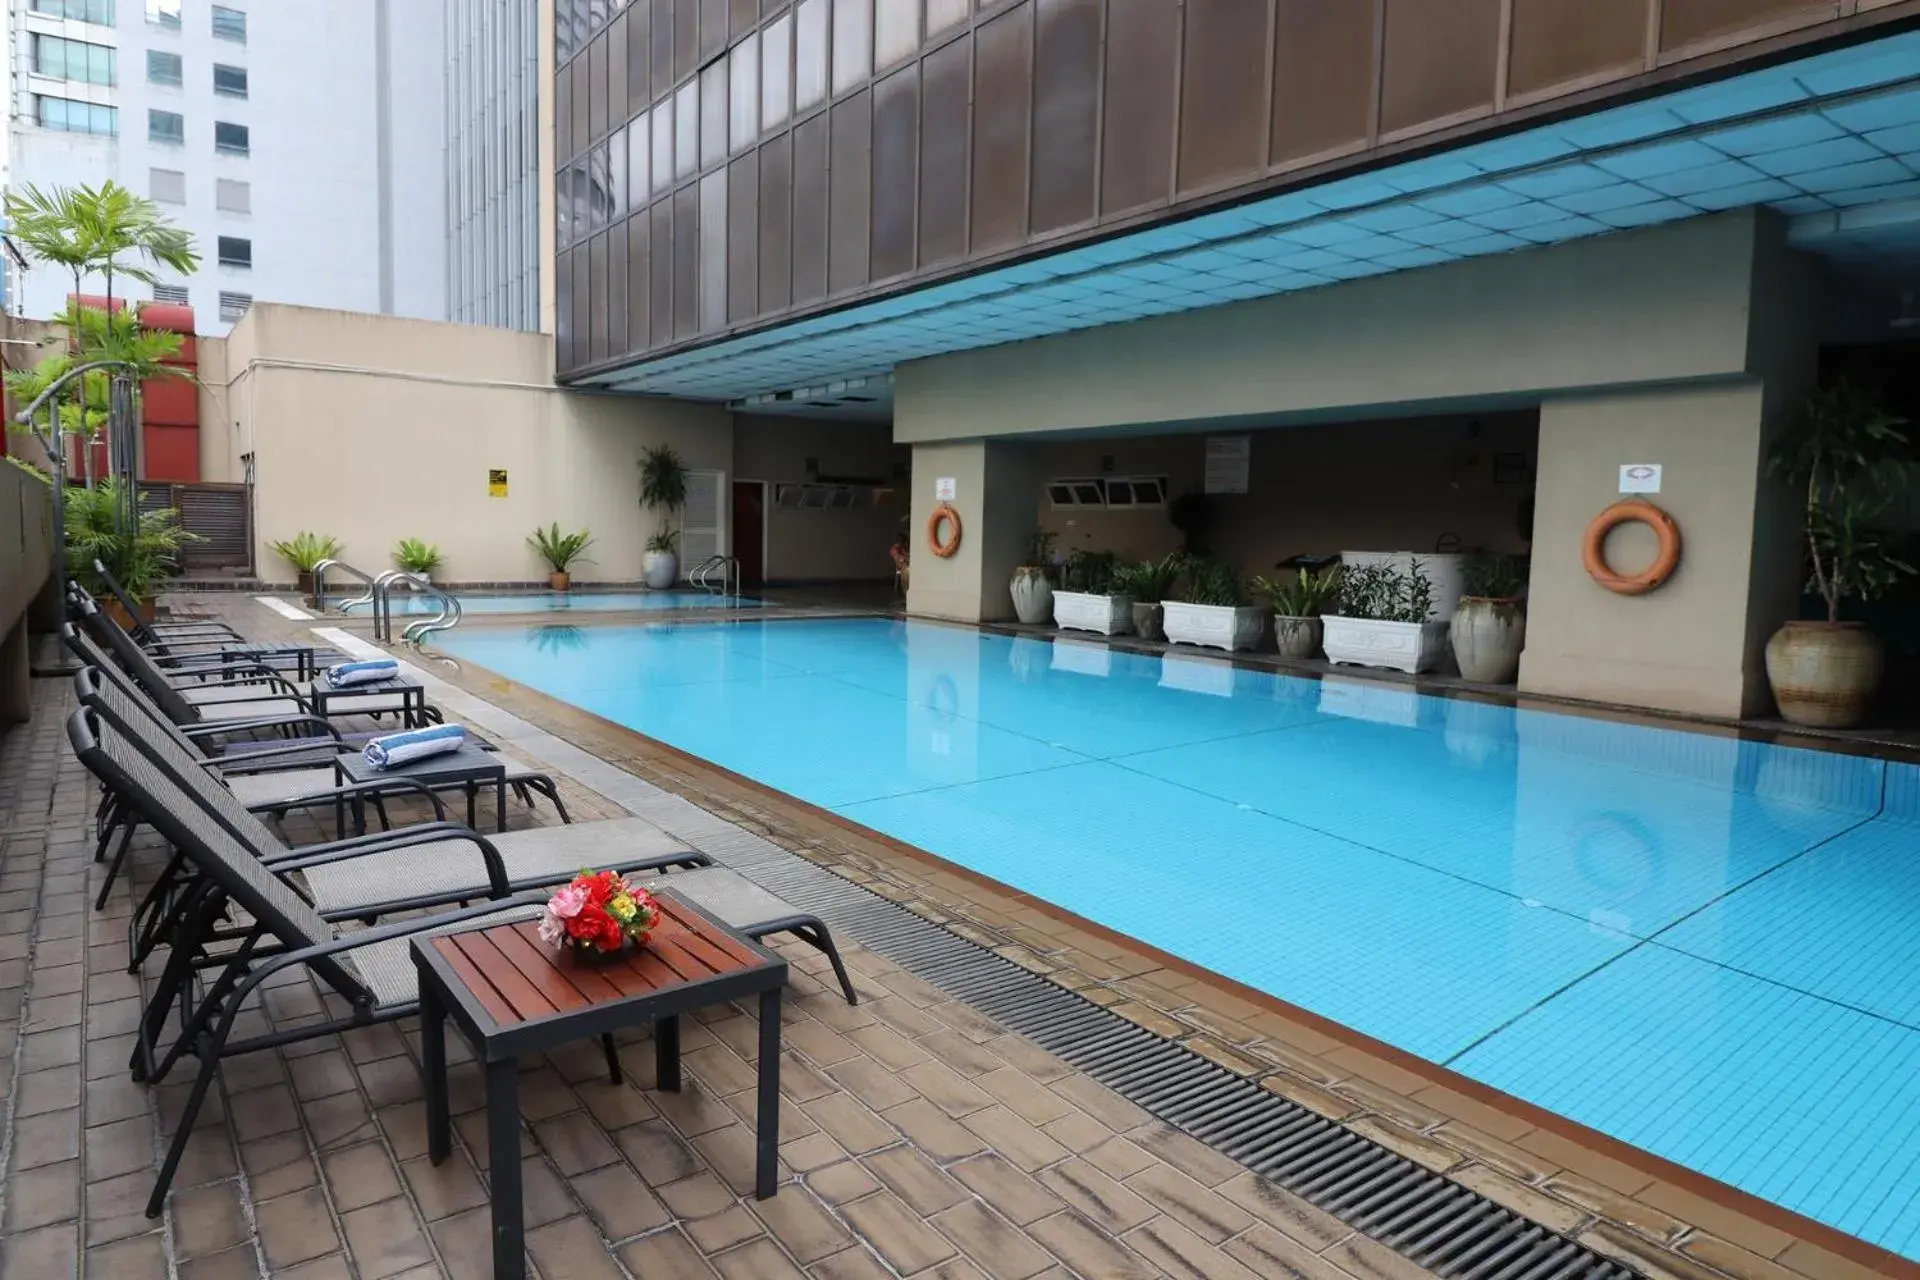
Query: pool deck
[[311, 1163]]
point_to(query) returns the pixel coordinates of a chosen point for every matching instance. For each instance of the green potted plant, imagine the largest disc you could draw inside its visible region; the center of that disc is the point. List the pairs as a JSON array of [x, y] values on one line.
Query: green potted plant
[[561, 551], [663, 489], [1088, 599], [1489, 626], [1385, 619], [305, 550], [139, 558], [417, 557], [1209, 607], [1848, 459], [1297, 605], [1032, 585], [1148, 583]]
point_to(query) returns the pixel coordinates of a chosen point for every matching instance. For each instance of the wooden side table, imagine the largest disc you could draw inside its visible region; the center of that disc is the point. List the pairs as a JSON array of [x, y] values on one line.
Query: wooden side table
[[511, 994]]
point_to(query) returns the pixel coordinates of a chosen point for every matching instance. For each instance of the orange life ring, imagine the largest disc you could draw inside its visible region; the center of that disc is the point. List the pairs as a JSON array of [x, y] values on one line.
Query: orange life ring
[[1593, 552], [943, 548]]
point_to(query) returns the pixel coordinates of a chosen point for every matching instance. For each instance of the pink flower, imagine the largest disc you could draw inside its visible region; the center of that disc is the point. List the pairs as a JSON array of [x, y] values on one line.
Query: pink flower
[[568, 902]]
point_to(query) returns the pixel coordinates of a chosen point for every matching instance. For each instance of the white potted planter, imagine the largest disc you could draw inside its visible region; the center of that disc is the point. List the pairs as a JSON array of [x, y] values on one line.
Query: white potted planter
[[1412, 647], [1446, 570], [1217, 626], [1488, 634], [1032, 595], [661, 568], [1084, 611]]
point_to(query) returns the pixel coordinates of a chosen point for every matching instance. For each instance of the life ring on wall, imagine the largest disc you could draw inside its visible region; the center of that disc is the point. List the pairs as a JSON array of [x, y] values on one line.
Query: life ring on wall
[[1593, 552], [944, 548]]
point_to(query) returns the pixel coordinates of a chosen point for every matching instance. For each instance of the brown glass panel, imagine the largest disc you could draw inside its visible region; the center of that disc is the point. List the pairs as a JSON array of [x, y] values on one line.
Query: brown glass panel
[[1002, 71], [1684, 21], [743, 239], [582, 291], [639, 282], [686, 37], [597, 299], [1441, 58], [563, 118], [776, 223], [1136, 148], [1323, 76], [810, 209], [597, 88], [617, 73], [849, 182], [1066, 102], [1223, 76], [563, 355], [896, 164], [660, 252], [639, 53], [943, 152], [1554, 41], [713, 28], [686, 261], [746, 16], [660, 61], [614, 283]]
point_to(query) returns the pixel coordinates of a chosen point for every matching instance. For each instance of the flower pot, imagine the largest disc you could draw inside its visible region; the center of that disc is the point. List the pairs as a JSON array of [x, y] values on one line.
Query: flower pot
[[559, 580], [1032, 595], [1149, 620], [1084, 611], [1217, 626], [1446, 570], [1412, 647], [303, 582], [661, 569], [1824, 673], [1297, 637], [594, 958], [1487, 637]]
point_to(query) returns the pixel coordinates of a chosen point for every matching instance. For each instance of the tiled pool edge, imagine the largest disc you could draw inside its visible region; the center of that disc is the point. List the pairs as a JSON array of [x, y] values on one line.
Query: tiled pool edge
[[1682, 1248]]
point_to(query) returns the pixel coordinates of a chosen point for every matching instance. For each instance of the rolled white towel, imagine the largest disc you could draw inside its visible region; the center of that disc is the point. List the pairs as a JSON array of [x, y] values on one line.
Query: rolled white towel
[[341, 675], [392, 750]]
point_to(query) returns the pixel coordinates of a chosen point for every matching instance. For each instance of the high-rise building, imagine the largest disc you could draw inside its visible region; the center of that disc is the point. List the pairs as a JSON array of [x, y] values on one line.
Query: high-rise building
[[493, 169], [303, 146]]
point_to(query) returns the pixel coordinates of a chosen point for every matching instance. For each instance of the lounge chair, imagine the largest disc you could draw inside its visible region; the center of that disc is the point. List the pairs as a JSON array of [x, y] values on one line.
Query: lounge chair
[[199, 644]]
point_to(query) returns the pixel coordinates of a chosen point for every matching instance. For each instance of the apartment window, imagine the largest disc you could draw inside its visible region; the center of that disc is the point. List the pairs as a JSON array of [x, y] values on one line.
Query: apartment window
[[229, 24], [168, 185], [232, 196], [98, 12], [174, 293], [229, 82], [233, 139], [164, 13], [64, 115], [942, 14], [743, 93], [776, 77], [235, 252], [164, 68], [234, 305], [852, 43], [166, 126], [73, 60], [809, 53]]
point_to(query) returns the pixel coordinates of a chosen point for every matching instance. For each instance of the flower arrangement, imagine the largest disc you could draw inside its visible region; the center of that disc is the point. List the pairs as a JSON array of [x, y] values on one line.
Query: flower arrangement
[[598, 913]]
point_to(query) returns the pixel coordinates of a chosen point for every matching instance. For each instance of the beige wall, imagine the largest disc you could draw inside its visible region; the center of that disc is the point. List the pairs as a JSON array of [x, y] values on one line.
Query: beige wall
[[218, 463], [994, 486], [823, 546]]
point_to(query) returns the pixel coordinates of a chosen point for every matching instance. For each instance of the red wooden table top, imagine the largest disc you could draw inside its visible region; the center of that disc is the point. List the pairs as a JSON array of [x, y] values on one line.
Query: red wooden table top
[[517, 977]]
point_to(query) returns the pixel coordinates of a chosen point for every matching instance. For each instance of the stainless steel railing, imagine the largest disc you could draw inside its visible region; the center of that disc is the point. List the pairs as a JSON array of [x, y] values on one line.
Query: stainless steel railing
[[320, 585]]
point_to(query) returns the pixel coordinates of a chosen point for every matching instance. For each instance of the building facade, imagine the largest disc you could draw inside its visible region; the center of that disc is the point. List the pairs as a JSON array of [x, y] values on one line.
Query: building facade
[[300, 145], [493, 168]]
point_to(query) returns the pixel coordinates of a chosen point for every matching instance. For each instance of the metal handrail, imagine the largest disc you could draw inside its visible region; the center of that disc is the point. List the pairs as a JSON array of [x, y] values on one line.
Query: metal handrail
[[729, 567], [448, 618], [382, 595], [320, 585]]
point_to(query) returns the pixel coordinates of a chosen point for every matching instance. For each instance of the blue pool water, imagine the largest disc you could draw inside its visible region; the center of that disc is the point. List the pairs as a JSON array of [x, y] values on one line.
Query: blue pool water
[[563, 601], [1705, 947]]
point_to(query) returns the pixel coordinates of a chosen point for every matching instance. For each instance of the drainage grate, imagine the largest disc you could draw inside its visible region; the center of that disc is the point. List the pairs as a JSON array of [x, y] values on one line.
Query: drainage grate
[[1433, 1221]]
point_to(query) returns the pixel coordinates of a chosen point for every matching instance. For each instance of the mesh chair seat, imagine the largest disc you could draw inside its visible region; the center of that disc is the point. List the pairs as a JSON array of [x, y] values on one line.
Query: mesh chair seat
[[290, 786], [387, 967], [730, 897]]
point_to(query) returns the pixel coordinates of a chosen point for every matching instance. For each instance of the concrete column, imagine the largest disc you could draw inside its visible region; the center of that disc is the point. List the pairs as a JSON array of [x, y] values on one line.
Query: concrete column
[[996, 492], [16, 692]]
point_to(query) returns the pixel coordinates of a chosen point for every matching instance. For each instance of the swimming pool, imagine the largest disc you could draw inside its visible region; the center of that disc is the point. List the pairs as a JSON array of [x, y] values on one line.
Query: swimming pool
[[1701, 946], [578, 601]]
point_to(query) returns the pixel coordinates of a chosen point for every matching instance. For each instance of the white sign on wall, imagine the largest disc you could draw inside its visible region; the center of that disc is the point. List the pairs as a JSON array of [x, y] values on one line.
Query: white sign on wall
[[1228, 461], [945, 489], [1640, 477]]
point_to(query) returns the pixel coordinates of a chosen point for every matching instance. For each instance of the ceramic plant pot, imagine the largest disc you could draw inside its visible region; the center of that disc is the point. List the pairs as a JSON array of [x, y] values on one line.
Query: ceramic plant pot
[[1032, 595], [1216, 626], [1488, 635], [1084, 611], [559, 580], [1148, 621], [1297, 637], [1412, 647], [1824, 673], [661, 569]]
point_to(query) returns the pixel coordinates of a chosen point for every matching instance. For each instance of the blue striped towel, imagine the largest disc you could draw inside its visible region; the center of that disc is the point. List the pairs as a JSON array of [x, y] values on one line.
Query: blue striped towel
[[395, 749], [344, 674]]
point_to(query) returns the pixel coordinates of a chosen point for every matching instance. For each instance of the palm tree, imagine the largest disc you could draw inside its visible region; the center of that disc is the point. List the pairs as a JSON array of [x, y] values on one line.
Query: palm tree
[[49, 225], [105, 229]]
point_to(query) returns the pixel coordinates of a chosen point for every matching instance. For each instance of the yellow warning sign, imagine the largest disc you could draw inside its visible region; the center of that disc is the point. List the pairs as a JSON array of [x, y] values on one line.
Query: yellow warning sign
[[497, 483]]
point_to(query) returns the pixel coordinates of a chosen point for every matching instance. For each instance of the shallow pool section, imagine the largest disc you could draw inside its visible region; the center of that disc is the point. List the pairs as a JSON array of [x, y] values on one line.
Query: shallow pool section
[[1705, 947], [570, 601]]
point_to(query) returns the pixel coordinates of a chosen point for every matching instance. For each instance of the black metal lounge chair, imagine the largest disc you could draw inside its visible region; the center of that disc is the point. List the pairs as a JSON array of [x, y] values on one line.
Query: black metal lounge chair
[[195, 644]]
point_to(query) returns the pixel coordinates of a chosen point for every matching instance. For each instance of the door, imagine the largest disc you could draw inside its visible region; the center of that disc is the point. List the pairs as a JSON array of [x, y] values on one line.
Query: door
[[749, 530]]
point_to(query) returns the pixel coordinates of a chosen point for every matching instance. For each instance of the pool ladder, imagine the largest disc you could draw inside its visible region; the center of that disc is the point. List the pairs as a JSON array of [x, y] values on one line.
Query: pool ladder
[[379, 594], [728, 567]]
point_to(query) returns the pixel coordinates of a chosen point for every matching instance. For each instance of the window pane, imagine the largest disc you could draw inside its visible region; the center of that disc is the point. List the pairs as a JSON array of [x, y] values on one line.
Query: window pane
[[942, 14], [164, 12], [166, 126], [852, 43], [163, 68], [810, 54], [231, 138], [617, 173], [232, 195], [713, 113], [686, 129], [169, 185], [776, 72], [229, 24], [599, 188], [713, 250], [743, 93], [235, 252], [639, 171], [98, 12], [230, 82], [73, 60], [896, 31], [66, 116], [662, 146]]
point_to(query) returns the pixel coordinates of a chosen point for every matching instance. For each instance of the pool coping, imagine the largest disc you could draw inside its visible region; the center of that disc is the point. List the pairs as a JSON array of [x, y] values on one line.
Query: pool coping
[[1237, 1058]]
